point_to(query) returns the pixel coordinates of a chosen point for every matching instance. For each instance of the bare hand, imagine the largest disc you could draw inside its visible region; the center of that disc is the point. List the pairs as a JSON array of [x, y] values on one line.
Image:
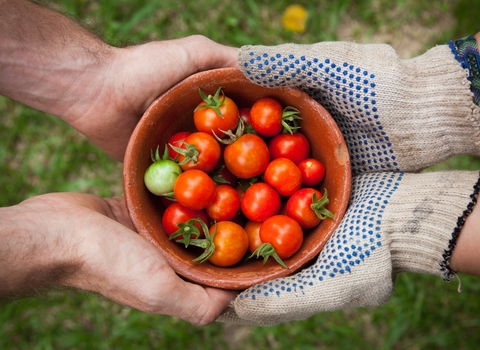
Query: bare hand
[[138, 75], [86, 242]]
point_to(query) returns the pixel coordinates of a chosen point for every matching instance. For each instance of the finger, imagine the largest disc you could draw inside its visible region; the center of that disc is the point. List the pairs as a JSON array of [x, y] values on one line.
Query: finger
[[207, 54], [126, 268], [196, 304]]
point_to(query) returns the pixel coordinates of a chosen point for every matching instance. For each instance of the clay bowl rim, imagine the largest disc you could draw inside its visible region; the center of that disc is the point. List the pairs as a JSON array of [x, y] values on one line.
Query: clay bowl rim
[[145, 211]]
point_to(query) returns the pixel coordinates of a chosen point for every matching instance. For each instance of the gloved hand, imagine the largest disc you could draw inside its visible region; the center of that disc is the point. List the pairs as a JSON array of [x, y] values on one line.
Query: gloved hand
[[397, 116]]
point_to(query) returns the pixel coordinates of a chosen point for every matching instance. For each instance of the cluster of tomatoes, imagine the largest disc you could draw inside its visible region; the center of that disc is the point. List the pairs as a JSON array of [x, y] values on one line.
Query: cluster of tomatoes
[[243, 182]]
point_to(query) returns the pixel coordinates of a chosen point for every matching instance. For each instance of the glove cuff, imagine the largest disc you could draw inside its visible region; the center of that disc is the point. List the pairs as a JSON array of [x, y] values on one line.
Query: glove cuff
[[425, 223], [447, 273], [466, 52]]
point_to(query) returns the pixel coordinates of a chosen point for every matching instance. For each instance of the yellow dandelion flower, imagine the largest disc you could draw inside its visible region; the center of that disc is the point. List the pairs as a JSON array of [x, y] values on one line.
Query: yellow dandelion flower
[[294, 18]]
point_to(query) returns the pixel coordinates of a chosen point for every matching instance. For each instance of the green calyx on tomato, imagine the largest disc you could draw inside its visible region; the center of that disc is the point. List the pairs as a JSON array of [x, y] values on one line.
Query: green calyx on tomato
[[199, 151], [290, 120], [213, 102], [266, 250], [206, 243], [190, 153], [318, 206], [187, 230], [246, 155], [225, 243]]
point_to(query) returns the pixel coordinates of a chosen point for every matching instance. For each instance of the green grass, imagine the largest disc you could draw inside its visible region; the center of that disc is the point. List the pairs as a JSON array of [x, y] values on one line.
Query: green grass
[[41, 154]]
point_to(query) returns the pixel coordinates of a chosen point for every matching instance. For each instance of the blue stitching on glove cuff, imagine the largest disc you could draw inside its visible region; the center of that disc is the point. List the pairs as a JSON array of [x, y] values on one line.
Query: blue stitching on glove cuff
[[466, 52]]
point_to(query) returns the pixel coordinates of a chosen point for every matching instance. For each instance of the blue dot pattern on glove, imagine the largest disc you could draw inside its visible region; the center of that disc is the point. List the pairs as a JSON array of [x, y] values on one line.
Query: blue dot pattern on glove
[[346, 91], [356, 239]]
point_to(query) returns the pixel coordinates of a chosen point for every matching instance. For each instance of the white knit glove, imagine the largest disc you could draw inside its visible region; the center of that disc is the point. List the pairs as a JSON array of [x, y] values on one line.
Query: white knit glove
[[396, 116], [396, 222]]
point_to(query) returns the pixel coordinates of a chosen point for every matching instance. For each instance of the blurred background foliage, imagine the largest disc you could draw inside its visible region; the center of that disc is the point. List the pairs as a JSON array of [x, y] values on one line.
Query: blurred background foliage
[[41, 154]]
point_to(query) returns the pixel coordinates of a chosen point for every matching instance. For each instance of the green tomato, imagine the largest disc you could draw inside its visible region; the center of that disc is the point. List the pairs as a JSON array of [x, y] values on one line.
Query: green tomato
[[161, 175]]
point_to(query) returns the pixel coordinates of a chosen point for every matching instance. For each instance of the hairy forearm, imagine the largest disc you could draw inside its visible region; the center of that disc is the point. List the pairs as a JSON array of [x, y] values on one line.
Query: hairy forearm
[[47, 60], [32, 257]]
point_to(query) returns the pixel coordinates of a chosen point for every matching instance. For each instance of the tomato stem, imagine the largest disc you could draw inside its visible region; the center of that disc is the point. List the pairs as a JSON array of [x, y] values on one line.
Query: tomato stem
[[190, 153], [266, 250], [206, 243], [187, 230], [231, 136], [290, 118], [318, 206], [156, 157], [213, 102]]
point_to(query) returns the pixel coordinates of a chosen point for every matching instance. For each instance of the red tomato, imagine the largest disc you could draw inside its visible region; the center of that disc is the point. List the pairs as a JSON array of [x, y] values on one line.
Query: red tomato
[[283, 175], [313, 171], [216, 113], [225, 205], [253, 232], [260, 201], [266, 116], [176, 214], [283, 233], [247, 157], [308, 212], [292, 146], [202, 152], [194, 189], [176, 140], [231, 243]]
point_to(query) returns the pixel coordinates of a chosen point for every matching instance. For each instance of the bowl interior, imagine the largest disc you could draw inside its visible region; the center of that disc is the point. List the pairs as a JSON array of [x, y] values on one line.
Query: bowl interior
[[173, 112]]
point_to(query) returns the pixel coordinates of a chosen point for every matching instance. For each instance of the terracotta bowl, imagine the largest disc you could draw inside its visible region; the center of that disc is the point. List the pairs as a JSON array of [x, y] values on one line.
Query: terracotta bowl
[[173, 112]]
